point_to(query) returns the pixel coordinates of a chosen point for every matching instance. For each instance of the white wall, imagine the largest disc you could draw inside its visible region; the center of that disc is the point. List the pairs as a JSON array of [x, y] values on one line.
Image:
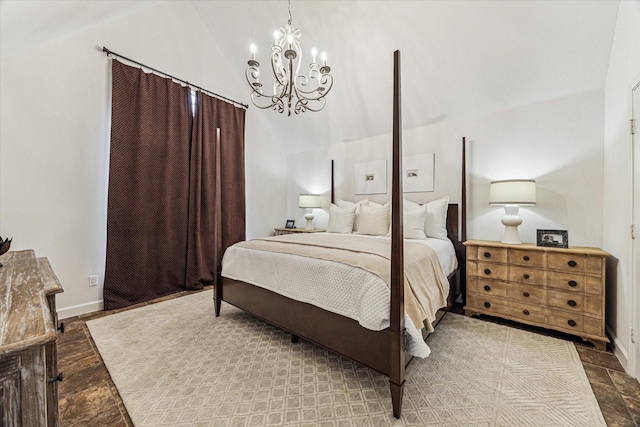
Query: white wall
[[558, 143], [54, 139], [624, 66]]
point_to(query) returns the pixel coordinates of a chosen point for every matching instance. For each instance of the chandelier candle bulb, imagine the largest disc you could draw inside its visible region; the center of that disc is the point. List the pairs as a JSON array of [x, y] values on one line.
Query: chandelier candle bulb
[[314, 53]]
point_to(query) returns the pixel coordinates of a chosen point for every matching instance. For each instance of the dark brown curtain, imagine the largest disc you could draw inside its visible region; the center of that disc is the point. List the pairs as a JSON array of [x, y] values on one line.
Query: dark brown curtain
[[217, 193], [168, 204]]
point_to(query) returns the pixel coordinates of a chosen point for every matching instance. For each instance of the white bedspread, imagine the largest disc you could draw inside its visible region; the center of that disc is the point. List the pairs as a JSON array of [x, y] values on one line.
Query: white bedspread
[[349, 291]]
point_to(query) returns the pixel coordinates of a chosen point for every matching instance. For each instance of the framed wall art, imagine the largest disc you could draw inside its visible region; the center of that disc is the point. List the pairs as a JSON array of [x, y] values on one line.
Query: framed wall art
[[370, 177], [418, 173]]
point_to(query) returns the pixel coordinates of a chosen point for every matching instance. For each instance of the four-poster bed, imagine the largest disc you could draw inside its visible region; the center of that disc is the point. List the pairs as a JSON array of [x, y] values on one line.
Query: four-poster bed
[[382, 350]]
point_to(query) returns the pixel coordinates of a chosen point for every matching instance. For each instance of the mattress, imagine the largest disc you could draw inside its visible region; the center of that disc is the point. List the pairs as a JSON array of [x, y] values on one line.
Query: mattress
[[334, 286]]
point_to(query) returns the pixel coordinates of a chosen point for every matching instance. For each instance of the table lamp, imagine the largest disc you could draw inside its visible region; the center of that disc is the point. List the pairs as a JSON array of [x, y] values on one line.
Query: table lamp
[[310, 201], [512, 193]]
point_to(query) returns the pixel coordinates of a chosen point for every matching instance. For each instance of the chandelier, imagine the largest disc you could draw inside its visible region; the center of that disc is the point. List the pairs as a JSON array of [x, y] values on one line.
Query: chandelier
[[300, 92]]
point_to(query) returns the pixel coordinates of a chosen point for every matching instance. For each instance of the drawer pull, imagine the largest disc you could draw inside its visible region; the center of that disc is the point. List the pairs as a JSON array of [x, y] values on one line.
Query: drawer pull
[[526, 257], [525, 312], [526, 294], [60, 377], [572, 263], [486, 304], [526, 276], [573, 283], [487, 271], [61, 327], [487, 288], [572, 303], [487, 254], [572, 322]]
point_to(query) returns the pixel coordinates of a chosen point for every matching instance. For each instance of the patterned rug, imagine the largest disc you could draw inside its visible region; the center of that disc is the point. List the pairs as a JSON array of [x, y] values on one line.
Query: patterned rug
[[176, 364]]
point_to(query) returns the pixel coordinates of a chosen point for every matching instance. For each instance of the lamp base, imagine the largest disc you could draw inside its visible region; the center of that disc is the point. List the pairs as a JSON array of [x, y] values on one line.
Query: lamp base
[[309, 218], [511, 221]]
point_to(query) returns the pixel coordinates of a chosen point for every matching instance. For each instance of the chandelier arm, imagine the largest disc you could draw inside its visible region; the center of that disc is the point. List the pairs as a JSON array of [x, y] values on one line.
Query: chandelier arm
[[275, 58], [326, 78]]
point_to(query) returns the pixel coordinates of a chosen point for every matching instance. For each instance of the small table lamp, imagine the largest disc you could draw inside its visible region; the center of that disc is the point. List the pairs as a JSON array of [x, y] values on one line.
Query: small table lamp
[[512, 194], [310, 201]]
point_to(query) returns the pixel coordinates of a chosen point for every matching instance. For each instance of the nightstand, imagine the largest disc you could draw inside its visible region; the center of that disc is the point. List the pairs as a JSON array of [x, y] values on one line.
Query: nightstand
[[281, 231], [555, 288]]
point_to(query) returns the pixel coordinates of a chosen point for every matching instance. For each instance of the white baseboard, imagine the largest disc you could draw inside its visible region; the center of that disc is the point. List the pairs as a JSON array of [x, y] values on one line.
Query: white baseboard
[[619, 350], [76, 310]]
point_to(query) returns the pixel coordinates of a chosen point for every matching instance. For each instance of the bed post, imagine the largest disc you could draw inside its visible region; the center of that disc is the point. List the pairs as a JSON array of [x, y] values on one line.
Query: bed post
[[461, 250], [333, 188], [463, 234], [397, 355]]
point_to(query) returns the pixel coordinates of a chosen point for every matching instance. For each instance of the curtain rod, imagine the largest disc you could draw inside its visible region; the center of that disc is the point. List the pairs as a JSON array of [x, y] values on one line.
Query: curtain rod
[[117, 55]]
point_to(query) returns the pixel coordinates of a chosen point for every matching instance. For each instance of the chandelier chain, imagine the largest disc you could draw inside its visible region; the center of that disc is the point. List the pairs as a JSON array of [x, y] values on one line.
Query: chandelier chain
[[289, 12]]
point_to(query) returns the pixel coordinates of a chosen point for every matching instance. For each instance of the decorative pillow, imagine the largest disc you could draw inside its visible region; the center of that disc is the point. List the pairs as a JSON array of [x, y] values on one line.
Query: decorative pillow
[[346, 204], [341, 220], [374, 221], [414, 222], [436, 223]]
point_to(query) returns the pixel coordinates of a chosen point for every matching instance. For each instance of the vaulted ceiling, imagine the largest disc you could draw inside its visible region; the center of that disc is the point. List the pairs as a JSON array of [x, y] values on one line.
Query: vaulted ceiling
[[459, 58]]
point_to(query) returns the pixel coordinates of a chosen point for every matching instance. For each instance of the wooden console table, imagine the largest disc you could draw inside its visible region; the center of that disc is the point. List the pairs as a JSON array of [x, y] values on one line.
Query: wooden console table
[[28, 350]]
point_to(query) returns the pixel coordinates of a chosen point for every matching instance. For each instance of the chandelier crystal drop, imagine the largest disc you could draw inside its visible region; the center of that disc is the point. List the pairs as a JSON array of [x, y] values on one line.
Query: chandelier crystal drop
[[291, 90]]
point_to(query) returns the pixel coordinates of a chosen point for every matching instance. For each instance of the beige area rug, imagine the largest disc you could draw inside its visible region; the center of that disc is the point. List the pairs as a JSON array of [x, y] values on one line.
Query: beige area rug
[[174, 363]]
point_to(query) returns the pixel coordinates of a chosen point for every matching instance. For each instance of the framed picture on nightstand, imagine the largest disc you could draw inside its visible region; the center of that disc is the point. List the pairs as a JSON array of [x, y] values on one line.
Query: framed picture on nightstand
[[553, 238], [291, 223]]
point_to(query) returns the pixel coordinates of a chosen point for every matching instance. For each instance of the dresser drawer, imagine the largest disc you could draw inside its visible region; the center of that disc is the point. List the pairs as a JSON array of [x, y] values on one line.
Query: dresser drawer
[[566, 281], [590, 305], [527, 294], [489, 270], [530, 313], [566, 262], [526, 258], [487, 287], [530, 276], [575, 323], [574, 282], [487, 253], [488, 304], [571, 322], [570, 301]]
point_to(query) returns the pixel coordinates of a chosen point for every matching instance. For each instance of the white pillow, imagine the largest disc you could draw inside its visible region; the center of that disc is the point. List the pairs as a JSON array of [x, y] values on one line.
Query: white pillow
[[436, 223], [413, 222], [374, 221], [346, 204], [341, 220]]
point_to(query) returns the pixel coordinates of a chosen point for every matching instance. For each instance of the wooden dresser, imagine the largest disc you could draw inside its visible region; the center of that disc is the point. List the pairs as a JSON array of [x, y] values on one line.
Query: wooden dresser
[[555, 288], [28, 353]]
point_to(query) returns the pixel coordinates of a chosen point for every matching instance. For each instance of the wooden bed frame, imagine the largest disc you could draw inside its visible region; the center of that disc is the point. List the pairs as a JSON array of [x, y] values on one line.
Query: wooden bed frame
[[383, 351]]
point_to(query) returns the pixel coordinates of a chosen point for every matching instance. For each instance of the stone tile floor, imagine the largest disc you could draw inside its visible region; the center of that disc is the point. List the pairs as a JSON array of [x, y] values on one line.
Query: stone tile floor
[[88, 396]]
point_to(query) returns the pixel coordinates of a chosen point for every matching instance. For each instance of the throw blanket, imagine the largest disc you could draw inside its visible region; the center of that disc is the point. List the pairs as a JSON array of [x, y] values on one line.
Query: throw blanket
[[425, 286]]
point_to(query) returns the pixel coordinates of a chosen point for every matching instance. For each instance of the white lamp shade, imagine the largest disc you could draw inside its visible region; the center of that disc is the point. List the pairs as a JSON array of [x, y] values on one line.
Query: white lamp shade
[[513, 192], [310, 201]]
